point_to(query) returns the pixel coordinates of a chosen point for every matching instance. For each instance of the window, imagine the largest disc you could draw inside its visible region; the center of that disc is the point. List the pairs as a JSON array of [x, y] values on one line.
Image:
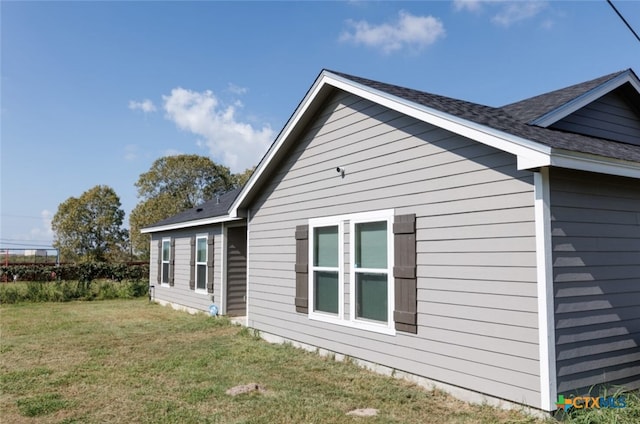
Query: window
[[371, 274], [326, 270], [166, 257], [201, 263], [369, 283]]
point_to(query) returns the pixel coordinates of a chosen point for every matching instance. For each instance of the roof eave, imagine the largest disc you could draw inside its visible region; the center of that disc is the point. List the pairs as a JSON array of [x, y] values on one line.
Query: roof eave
[[312, 95], [530, 154], [189, 224], [594, 163], [527, 151], [583, 100]]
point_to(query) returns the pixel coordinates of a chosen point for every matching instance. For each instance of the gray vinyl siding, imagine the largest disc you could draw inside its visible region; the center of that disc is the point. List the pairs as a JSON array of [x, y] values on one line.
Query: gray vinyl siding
[[596, 256], [179, 293], [609, 117], [477, 307]]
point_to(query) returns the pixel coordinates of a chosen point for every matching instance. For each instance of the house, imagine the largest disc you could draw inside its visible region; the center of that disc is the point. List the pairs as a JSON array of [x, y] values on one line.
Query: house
[[492, 252], [198, 258]]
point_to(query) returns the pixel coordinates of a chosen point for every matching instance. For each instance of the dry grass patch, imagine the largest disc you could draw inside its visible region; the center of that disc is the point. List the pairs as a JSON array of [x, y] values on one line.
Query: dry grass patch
[[128, 361]]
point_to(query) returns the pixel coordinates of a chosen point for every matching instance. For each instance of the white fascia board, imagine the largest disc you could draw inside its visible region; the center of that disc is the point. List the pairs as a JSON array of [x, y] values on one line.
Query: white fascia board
[[530, 154], [529, 151], [189, 224], [593, 163], [277, 144], [579, 102]]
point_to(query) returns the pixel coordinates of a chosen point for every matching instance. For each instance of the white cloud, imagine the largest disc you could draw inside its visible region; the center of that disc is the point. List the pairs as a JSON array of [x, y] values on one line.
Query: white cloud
[[409, 31], [518, 11], [44, 231], [236, 89], [172, 152], [472, 5], [505, 12], [146, 106], [131, 152], [230, 141]]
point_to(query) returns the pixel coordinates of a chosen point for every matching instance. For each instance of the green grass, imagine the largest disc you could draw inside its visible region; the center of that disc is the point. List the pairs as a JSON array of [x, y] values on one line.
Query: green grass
[[129, 361], [630, 414]]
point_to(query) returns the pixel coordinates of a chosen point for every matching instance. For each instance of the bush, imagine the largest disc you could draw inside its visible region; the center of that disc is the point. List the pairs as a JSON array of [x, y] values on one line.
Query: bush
[[87, 271], [65, 291]]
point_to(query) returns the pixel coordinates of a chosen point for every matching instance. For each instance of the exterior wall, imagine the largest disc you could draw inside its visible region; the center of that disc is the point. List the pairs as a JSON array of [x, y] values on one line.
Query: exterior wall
[[179, 294], [596, 256], [609, 117], [477, 297]]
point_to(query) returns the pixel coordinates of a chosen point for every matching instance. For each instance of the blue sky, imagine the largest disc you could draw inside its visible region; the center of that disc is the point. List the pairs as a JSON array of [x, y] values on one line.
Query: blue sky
[[93, 92]]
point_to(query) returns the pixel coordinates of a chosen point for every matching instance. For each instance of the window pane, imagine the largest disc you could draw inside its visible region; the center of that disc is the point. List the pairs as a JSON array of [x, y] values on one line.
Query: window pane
[[165, 272], [326, 291], [201, 277], [371, 296], [371, 245], [202, 250], [325, 246], [166, 247]]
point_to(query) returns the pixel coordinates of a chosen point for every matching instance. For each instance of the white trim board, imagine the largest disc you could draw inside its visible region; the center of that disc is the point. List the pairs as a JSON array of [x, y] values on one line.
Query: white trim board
[[189, 224], [592, 95], [530, 154], [544, 258]]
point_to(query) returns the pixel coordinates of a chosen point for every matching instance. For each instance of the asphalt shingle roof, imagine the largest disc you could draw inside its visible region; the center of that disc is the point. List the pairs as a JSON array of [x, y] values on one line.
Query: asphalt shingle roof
[[215, 207], [533, 108], [512, 119]]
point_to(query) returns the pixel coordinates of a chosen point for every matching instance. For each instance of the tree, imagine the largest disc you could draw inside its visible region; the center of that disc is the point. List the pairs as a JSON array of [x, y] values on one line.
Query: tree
[[239, 180], [89, 227], [174, 184]]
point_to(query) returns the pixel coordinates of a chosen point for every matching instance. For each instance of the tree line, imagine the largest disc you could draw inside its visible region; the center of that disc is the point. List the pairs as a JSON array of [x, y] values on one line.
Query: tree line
[[90, 228]]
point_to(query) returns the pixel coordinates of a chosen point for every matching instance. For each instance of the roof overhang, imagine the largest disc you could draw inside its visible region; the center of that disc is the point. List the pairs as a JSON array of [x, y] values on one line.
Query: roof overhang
[[189, 224], [530, 154], [590, 96]]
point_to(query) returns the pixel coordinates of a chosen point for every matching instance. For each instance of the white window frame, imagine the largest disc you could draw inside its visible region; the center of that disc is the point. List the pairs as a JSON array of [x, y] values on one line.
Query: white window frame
[[206, 268], [162, 262], [376, 216], [351, 220], [319, 315]]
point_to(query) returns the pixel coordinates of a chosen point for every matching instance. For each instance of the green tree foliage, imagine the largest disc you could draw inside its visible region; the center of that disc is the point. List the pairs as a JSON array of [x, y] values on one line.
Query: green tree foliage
[[172, 185], [239, 180], [89, 228]]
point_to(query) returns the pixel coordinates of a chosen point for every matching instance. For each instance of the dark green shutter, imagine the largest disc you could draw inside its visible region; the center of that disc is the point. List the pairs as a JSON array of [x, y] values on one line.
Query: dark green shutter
[[192, 264], [302, 269], [172, 263], [404, 273], [210, 263], [159, 261]]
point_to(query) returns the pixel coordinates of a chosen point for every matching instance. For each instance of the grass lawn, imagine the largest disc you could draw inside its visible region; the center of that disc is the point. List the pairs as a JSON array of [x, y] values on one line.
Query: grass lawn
[[130, 361]]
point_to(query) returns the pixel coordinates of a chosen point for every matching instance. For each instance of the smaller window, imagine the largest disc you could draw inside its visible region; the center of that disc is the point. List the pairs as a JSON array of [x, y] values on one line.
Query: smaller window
[[166, 256], [371, 273], [201, 263], [325, 269]]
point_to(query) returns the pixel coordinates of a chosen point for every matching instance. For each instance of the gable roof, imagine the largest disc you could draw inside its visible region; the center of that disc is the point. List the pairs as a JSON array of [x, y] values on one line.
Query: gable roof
[[566, 100], [507, 128], [210, 212], [500, 118]]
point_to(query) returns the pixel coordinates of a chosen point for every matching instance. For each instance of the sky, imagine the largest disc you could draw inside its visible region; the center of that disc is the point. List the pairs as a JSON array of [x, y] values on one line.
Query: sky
[[92, 93]]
